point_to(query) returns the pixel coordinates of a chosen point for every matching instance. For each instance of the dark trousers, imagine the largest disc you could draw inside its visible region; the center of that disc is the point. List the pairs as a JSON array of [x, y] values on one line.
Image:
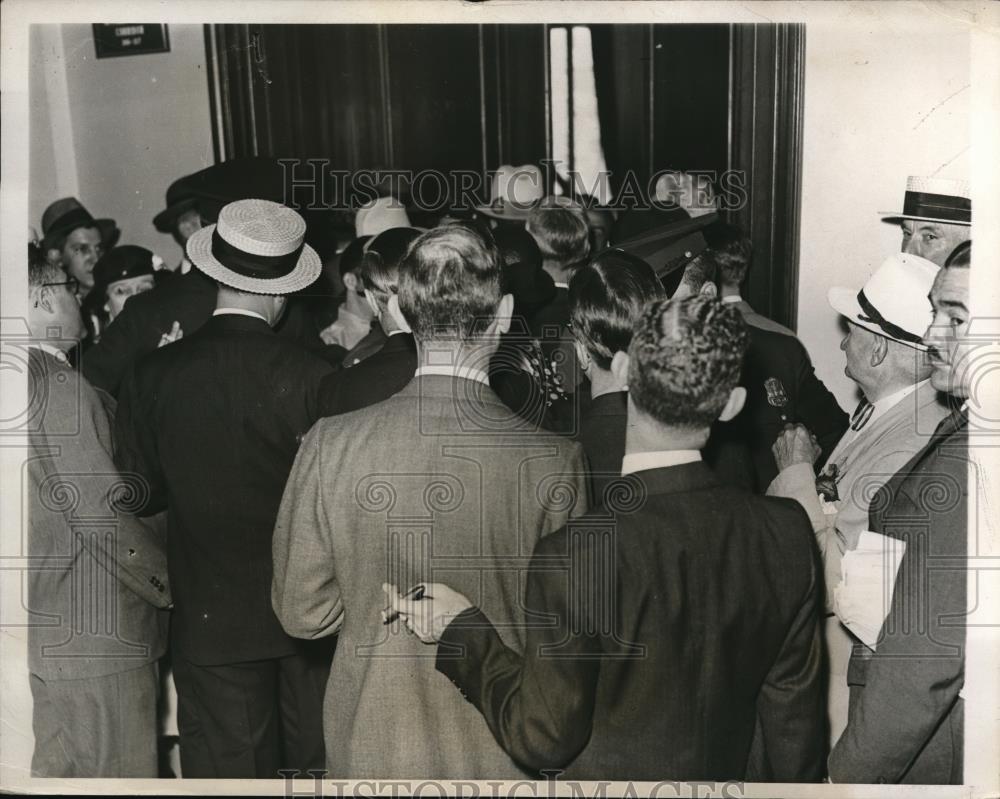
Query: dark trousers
[[246, 720], [95, 727]]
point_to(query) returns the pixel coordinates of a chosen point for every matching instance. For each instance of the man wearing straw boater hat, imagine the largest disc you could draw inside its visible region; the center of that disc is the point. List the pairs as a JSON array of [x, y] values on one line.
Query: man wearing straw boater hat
[[213, 423], [936, 217], [887, 360]]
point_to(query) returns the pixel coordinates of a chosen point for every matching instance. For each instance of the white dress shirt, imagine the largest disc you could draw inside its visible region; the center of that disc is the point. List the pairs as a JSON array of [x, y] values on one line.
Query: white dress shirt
[[239, 312], [658, 459]]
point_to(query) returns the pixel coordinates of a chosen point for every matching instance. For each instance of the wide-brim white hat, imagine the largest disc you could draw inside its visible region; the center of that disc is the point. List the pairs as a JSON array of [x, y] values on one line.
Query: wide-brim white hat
[[380, 215], [257, 246], [894, 302], [934, 200], [515, 192]]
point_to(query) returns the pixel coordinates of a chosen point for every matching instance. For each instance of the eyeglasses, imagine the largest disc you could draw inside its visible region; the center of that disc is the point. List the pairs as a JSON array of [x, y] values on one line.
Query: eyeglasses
[[72, 282]]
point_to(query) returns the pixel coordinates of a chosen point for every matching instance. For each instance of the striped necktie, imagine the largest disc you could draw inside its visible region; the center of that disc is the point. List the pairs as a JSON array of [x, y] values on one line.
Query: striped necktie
[[861, 415]]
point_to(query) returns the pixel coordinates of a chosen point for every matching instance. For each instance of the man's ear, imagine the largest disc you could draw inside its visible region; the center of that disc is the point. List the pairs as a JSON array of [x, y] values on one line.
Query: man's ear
[[737, 398], [350, 281], [397, 313], [54, 256], [582, 357], [43, 298], [619, 368], [709, 289], [373, 303], [505, 310], [880, 349]]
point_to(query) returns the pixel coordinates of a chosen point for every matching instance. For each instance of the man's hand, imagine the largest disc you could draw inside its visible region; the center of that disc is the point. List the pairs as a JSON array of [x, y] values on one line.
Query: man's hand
[[795, 445], [428, 617], [174, 334]]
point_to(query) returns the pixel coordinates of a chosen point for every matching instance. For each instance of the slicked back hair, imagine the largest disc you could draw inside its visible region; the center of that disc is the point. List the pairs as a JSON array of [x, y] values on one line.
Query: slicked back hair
[[961, 256], [685, 360], [562, 233], [606, 298], [731, 250], [449, 284]]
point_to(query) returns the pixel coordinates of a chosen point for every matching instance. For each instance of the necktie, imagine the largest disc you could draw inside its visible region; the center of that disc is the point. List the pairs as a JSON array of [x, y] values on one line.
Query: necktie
[[950, 424], [861, 415]]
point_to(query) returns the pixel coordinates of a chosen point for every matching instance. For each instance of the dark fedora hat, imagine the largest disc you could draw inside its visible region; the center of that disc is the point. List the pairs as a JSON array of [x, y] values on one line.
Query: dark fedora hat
[[66, 215], [121, 263], [182, 196]]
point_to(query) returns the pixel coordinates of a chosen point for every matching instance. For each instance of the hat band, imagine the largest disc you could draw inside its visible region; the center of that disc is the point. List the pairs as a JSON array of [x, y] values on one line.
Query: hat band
[[895, 331], [78, 217], [247, 264], [937, 206]]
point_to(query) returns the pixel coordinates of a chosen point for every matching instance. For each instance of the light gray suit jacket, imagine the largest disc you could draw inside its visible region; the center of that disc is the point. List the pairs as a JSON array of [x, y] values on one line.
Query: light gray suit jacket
[[431, 485], [865, 463], [98, 576]]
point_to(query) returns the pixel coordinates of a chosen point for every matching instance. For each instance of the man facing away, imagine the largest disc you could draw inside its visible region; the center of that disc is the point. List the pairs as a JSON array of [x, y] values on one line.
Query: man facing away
[[100, 585], [439, 481], [887, 360], [213, 422], [741, 449], [681, 635], [906, 716], [606, 298]]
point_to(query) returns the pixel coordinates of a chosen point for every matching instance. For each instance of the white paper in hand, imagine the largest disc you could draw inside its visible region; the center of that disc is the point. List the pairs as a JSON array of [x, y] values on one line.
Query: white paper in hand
[[868, 574]]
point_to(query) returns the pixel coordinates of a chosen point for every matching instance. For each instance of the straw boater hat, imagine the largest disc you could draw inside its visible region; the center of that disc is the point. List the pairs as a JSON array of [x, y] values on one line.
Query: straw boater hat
[[514, 192], [893, 303], [380, 215], [257, 246], [934, 200]]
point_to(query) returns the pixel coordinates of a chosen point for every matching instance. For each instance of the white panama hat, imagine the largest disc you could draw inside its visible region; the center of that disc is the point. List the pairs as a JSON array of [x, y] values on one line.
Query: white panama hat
[[257, 246], [515, 191], [934, 200], [894, 301]]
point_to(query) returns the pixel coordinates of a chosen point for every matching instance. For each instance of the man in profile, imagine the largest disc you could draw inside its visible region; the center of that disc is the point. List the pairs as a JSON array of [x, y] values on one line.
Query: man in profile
[[682, 639], [439, 481]]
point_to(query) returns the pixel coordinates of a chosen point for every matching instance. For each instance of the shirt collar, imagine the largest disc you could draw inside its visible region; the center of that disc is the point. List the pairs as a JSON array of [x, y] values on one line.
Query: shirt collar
[[733, 300], [55, 352], [661, 459], [446, 370], [561, 285], [239, 312], [396, 333], [884, 404]]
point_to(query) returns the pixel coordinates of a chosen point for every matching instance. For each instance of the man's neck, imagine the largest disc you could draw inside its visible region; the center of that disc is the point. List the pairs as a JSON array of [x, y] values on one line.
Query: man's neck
[[448, 354], [729, 290], [887, 388], [357, 305], [644, 434], [602, 381], [556, 271]]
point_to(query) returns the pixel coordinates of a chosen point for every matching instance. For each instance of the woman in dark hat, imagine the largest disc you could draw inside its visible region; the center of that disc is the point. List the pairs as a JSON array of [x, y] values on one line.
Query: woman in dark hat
[[124, 272]]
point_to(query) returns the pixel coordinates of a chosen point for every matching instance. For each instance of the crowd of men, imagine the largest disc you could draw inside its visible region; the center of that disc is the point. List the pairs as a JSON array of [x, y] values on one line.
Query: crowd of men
[[529, 495]]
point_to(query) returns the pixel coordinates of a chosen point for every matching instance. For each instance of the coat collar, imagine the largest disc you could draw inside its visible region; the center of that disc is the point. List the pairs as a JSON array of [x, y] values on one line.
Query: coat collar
[[676, 479]]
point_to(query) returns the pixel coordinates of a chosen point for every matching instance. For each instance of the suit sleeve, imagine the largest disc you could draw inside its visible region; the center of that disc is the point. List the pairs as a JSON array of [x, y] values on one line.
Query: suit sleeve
[[913, 678], [539, 707], [131, 550], [791, 705], [105, 364], [135, 445], [304, 591], [818, 409]]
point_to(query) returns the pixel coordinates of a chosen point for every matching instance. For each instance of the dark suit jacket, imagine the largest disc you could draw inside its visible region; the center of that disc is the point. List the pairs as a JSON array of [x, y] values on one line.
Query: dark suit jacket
[[188, 299], [99, 580], [550, 325], [664, 633], [905, 716], [601, 432], [740, 450], [376, 378], [213, 422]]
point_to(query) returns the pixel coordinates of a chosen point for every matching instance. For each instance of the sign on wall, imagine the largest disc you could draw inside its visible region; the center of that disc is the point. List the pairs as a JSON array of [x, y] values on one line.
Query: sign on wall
[[130, 38]]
